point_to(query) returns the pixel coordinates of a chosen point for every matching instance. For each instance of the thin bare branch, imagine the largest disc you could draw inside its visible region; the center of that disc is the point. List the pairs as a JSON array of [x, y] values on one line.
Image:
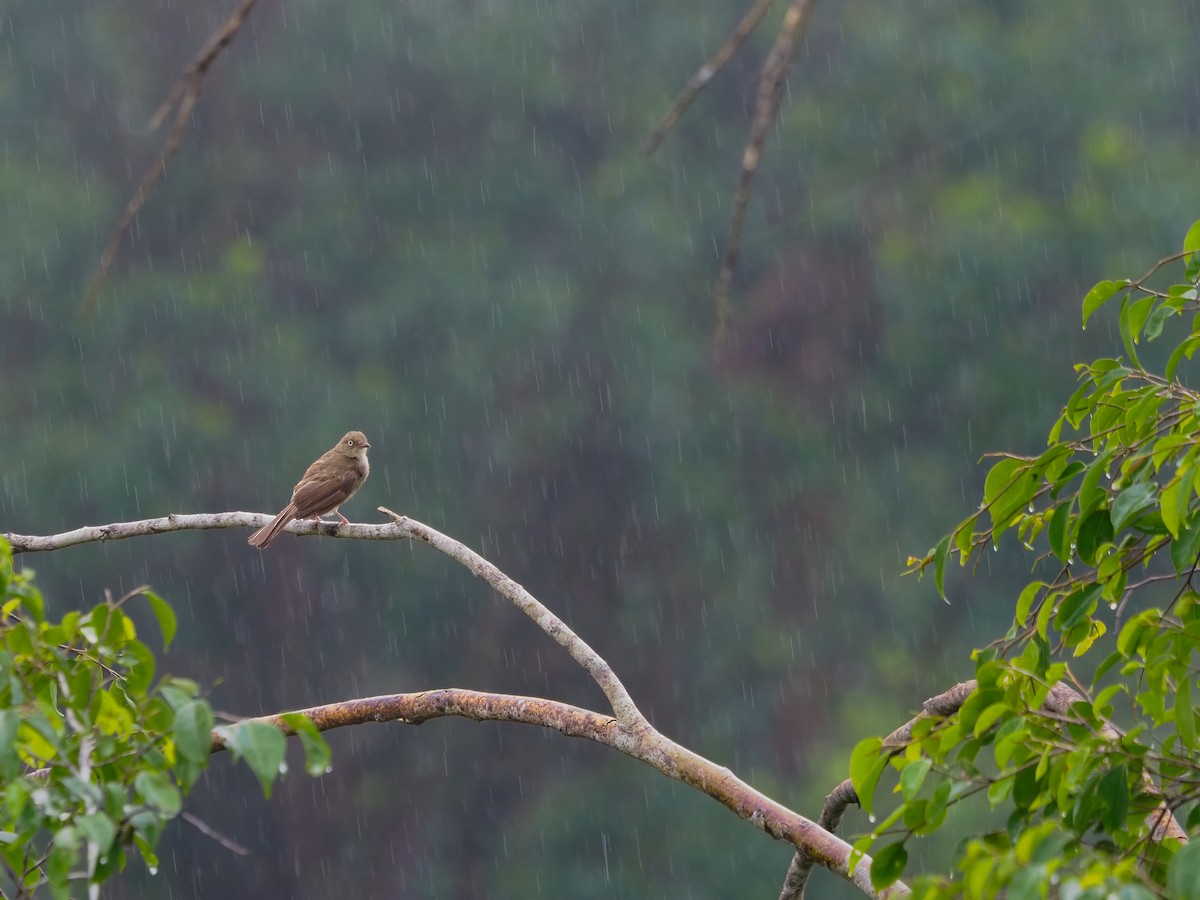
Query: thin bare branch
[[770, 96], [208, 831], [592, 662], [704, 75], [182, 98], [117, 531], [643, 743]]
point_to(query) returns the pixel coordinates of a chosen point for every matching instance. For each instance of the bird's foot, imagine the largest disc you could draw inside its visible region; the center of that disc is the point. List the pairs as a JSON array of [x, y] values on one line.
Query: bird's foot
[[344, 521]]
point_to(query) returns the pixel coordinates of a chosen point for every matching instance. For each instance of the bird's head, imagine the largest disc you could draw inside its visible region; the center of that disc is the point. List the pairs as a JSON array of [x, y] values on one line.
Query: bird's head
[[354, 443]]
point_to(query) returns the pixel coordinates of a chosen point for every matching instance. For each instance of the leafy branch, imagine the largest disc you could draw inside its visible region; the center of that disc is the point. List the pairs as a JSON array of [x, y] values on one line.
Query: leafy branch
[[1116, 492]]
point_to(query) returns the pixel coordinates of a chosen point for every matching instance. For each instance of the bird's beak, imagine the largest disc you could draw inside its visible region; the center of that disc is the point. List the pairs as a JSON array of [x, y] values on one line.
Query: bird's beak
[[367, 444]]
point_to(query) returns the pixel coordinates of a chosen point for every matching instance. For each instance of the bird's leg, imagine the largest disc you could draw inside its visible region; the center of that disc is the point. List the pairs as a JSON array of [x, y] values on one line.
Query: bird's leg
[[345, 521]]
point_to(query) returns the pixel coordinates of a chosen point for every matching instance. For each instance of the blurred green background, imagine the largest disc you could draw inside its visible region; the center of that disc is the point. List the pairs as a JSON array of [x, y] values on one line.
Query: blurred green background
[[429, 221]]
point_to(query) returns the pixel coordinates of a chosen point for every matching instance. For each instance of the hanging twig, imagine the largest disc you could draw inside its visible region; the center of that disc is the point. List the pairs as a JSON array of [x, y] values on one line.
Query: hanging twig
[[181, 98], [704, 75], [770, 95]]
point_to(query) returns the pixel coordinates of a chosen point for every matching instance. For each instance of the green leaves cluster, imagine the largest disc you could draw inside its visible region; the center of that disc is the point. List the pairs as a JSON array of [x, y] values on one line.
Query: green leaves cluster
[[1093, 760], [95, 754]]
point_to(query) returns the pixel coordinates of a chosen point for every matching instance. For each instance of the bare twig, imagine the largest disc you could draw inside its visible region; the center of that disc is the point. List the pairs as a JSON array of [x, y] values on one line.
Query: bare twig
[[643, 743], [770, 95], [182, 98], [208, 831], [801, 866], [704, 75]]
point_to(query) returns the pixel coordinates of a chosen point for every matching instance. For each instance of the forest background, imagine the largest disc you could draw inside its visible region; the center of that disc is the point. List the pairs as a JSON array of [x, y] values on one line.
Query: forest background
[[430, 221]]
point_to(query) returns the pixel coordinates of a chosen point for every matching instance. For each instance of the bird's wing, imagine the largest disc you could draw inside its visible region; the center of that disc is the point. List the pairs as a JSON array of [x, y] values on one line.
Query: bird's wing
[[319, 494]]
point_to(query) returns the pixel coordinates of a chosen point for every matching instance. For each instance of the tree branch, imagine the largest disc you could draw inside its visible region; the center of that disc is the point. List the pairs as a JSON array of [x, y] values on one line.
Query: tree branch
[[643, 743], [770, 96], [118, 531], [592, 662], [1163, 823], [704, 75], [182, 98], [627, 730], [801, 866]]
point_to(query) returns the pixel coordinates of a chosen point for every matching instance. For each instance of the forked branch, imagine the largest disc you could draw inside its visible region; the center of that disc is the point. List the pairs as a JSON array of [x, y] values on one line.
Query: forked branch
[[627, 731], [182, 99]]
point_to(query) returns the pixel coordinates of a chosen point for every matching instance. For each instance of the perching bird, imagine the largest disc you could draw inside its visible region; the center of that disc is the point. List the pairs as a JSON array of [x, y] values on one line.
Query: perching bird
[[328, 483]]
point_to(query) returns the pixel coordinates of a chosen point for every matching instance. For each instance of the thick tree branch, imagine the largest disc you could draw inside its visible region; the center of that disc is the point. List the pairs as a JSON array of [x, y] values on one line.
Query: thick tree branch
[[181, 98], [643, 743]]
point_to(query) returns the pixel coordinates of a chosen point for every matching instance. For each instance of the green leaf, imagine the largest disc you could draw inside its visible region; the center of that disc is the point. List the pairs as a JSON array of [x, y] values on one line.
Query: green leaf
[[1025, 601], [1138, 311], [192, 731], [988, 717], [1185, 714], [1091, 495], [888, 865], [1099, 295], [1094, 532], [1132, 502], [317, 754], [912, 776], [1183, 874], [1113, 790], [1185, 549], [1129, 337], [61, 860], [1078, 605], [867, 762], [1008, 487], [99, 829], [1154, 324], [165, 615], [1186, 348], [262, 746], [939, 565], [1168, 507], [157, 791], [10, 762], [1065, 477], [1191, 240], [1060, 531]]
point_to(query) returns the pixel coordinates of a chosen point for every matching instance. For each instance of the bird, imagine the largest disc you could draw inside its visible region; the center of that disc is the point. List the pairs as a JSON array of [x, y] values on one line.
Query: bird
[[327, 484]]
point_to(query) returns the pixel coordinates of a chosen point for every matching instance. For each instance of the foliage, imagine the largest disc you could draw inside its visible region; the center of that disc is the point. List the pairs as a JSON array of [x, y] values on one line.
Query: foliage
[[430, 221], [95, 754], [1110, 513]]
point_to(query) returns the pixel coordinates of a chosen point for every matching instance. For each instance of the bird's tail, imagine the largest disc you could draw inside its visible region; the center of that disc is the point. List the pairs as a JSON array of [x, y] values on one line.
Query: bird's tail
[[268, 533]]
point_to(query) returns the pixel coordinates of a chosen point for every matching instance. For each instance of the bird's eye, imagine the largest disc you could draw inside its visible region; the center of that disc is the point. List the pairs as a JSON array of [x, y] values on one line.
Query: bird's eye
[[350, 443]]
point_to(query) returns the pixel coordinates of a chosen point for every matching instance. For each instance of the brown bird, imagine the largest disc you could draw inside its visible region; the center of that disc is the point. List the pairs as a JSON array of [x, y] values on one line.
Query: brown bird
[[328, 483]]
